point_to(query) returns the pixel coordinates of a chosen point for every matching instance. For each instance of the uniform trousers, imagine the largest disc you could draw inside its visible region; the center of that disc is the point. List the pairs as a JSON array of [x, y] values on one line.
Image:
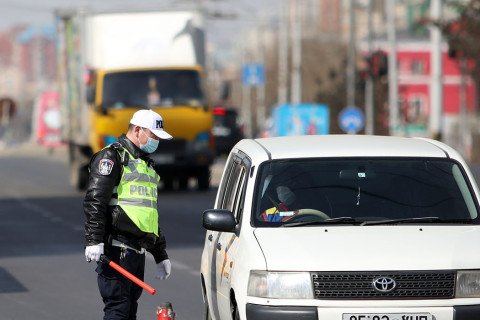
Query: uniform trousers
[[119, 294]]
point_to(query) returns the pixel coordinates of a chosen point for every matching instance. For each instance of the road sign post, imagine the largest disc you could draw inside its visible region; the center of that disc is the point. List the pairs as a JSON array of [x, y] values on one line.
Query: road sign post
[[253, 74]]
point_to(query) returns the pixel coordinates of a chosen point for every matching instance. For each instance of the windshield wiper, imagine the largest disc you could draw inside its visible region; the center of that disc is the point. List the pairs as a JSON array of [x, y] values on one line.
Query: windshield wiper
[[415, 220], [351, 220], [338, 220]]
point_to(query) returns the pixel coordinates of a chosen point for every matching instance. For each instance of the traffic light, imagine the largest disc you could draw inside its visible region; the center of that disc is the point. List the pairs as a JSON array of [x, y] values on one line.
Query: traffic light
[[378, 64]]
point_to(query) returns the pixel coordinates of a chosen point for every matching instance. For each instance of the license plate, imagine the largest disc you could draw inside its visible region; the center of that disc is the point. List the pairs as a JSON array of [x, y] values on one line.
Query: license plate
[[387, 316], [221, 131]]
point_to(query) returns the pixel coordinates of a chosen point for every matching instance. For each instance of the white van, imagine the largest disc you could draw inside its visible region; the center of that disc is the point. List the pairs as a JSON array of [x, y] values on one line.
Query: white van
[[343, 227]]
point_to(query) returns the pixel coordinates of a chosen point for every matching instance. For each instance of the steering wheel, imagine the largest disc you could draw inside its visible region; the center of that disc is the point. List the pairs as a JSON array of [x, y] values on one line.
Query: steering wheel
[[311, 212]]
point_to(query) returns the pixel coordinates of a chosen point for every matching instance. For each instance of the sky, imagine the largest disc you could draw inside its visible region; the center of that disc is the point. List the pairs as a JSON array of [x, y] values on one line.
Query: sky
[[40, 12]]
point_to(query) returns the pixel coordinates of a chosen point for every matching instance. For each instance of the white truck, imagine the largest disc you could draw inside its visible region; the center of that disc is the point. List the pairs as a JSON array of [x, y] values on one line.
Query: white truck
[[111, 64]]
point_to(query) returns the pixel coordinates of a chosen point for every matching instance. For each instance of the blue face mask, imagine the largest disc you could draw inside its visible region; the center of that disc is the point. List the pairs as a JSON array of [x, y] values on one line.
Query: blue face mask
[[150, 146]]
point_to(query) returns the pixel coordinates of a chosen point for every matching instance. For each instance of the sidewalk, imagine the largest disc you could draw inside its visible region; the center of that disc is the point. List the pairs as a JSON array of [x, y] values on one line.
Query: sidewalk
[[33, 149]]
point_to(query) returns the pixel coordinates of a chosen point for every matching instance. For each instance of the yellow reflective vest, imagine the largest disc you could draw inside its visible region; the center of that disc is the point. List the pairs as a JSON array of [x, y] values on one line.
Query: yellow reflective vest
[[137, 194]]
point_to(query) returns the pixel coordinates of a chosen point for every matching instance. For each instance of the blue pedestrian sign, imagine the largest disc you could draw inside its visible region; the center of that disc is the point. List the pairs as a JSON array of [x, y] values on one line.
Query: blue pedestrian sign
[[253, 74], [351, 120]]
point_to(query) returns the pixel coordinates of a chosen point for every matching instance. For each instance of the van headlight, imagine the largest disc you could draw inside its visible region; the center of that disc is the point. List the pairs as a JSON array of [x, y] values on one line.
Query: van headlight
[[468, 284], [280, 285]]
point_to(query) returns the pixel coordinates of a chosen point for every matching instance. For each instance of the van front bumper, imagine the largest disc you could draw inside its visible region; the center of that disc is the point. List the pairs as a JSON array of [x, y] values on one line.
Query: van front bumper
[[466, 312], [256, 312]]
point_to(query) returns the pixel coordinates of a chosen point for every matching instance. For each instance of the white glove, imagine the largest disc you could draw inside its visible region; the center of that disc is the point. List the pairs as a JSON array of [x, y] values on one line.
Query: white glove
[[163, 269], [94, 252]]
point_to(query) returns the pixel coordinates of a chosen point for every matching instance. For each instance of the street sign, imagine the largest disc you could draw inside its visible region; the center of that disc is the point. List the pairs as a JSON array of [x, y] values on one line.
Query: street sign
[[351, 120], [253, 74]]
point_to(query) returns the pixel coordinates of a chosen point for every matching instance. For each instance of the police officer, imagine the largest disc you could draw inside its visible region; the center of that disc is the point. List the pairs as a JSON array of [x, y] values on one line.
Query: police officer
[[121, 213]]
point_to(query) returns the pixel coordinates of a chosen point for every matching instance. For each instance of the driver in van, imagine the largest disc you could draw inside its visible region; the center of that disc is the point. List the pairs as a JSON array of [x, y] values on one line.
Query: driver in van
[[280, 210]]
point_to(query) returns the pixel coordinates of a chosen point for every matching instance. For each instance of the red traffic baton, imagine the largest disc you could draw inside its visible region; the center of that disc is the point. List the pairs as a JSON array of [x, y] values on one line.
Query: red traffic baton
[[127, 274]]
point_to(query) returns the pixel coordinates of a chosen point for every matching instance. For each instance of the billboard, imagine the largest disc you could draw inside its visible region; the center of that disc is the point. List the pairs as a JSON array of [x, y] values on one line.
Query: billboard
[[299, 119], [47, 119]]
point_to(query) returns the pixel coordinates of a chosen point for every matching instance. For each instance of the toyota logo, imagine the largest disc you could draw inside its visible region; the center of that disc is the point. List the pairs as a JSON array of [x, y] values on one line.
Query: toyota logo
[[384, 284]]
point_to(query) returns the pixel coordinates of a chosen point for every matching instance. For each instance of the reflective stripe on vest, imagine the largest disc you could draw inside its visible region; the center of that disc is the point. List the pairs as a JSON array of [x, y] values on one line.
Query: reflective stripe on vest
[[137, 194]]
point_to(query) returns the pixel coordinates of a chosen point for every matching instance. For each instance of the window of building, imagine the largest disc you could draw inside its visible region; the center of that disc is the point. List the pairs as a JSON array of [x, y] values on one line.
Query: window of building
[[418, 67], [415, 110]]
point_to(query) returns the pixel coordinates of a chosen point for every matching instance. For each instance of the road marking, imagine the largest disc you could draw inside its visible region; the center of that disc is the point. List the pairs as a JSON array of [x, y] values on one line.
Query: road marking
[[48, 215], [56, 219], [179, 266]]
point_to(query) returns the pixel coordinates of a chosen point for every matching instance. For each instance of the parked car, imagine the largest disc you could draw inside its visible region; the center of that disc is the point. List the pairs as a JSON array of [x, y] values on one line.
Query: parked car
[[343, 227], [226, 129]]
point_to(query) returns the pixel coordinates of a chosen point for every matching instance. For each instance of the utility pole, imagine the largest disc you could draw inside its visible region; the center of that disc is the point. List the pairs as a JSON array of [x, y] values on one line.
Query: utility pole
[[246, 97], [436, 84], [463, 107], [296, 94], [392, 67], [351, 58], [260, 90], [5, 112], [369, 100], [283, 55]]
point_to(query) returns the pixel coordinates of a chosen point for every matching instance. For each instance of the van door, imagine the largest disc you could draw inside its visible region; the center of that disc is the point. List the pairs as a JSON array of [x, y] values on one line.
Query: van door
[[213, 238], [228, 241]]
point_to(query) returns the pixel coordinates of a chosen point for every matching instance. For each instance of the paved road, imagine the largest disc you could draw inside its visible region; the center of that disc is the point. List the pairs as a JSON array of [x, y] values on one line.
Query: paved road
[[43, 273]]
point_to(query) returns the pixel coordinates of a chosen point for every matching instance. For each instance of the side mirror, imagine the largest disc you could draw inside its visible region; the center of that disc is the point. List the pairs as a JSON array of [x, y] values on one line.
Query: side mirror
[[219, 220]]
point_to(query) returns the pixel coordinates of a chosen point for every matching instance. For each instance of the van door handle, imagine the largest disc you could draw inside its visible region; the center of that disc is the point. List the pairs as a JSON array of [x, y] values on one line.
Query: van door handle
[[210, 237], [219, 246]]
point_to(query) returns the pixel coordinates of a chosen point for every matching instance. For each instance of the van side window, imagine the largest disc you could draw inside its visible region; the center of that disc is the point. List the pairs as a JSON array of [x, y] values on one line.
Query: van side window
[[232, 185], [223, 183], [239, 192]]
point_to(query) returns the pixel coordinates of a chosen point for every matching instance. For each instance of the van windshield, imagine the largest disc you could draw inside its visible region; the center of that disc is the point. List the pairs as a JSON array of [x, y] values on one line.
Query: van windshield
[[150, 88], [361, 191]]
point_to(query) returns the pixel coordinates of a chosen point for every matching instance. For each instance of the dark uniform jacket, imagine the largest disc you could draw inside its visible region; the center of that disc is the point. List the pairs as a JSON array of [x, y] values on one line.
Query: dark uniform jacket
[[104, 222]]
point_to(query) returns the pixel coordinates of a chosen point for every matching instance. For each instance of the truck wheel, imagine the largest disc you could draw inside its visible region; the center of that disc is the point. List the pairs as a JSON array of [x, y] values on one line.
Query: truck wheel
[[203, 178], [83, 175], [78, 168], [168, 184], [183, 183], [73, 176], [78, 176]]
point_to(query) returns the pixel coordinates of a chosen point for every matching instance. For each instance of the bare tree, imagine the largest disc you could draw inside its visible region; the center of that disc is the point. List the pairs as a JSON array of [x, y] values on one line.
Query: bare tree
[[463, 34]]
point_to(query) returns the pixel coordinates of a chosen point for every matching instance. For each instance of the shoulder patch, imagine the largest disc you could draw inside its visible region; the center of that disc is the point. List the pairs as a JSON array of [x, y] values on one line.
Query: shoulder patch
[[105, 167]]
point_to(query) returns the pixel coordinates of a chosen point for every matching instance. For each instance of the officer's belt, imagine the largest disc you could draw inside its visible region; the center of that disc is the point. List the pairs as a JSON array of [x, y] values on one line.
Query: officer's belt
[[116, 243]]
